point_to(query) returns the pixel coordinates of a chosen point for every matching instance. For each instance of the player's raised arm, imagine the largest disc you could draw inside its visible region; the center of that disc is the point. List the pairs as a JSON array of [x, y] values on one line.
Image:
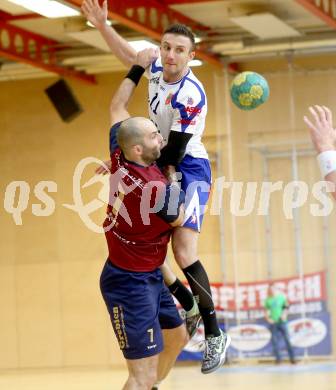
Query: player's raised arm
[[122, 97], [97, 15], [323, 136]]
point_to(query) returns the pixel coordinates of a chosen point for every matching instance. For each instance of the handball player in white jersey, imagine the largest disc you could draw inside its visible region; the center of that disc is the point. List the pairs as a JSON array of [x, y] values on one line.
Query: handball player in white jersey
[[178, 107]]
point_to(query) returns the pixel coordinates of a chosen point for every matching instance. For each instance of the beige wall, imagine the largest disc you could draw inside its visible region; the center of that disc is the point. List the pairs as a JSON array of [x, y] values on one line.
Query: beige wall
[[52, 314]]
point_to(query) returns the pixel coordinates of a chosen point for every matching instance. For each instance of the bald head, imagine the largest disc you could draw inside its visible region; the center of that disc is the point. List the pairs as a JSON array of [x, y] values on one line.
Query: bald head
[[132, 132], [139, 140]]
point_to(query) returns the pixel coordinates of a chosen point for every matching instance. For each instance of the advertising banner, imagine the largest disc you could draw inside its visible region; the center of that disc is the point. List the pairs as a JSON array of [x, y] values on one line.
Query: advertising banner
[[240, 310]]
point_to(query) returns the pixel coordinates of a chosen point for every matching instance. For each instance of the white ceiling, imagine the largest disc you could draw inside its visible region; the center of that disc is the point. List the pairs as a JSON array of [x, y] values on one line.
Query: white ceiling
[[232, 40]]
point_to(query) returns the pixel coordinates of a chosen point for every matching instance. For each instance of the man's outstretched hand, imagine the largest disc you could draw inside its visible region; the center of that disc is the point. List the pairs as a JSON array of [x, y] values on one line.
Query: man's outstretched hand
[[95, 13], [321, 128]]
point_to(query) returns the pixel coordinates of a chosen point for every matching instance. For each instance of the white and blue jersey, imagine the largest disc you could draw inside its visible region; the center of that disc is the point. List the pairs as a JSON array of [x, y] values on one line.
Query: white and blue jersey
[[179, 106], [182, 107]]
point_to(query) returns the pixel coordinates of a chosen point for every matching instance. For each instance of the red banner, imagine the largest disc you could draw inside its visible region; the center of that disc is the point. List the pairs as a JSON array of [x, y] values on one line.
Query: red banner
[[251, 296]]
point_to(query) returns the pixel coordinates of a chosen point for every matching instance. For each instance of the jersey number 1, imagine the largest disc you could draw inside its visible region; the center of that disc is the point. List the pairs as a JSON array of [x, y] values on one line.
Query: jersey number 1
[[151, 104], [151, 335]]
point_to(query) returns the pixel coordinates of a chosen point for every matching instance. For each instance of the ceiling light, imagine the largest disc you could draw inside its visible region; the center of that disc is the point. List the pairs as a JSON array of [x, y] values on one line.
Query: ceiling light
[[142, 44], [195, 63], [88, 23], [48, 8], [265, 26]]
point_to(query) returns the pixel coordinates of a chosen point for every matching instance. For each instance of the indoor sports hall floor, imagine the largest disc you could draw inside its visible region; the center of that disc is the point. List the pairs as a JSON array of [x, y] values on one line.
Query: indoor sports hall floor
[[308, 376]]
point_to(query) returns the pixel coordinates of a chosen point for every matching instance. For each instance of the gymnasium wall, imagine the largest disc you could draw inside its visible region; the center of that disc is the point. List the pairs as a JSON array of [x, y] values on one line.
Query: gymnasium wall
[[52, 313]]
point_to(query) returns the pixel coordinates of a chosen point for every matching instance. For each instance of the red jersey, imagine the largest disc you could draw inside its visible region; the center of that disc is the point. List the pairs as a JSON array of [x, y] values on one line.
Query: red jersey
[[137, 237]]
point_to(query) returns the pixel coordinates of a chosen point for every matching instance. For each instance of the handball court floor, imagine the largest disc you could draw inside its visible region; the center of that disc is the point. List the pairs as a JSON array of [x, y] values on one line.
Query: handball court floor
[[303, 376]]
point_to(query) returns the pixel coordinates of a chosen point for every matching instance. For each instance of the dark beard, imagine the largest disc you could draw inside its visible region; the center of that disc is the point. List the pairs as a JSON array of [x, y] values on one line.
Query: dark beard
[[151, 158]]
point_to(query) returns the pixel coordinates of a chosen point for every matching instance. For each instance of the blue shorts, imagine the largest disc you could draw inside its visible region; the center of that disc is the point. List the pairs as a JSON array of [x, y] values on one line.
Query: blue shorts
[[140, 305], [196, 183]]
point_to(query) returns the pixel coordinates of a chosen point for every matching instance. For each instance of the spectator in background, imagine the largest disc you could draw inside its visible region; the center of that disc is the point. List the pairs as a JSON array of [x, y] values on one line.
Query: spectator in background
[[276, 311]]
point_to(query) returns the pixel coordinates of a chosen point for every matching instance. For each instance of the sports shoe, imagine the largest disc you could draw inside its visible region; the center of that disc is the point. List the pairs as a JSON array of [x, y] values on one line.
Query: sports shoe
[[192, 323], [215, 351]]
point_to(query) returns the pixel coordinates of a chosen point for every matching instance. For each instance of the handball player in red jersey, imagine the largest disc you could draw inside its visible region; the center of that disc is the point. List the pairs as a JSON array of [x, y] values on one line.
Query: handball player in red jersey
[[143, 209]]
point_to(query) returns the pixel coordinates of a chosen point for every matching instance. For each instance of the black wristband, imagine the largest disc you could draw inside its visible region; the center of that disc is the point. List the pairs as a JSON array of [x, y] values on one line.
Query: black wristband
[[135, 73]]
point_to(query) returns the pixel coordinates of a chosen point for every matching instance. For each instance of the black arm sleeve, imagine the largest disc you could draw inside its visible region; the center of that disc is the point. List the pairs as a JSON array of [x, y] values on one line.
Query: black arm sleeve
[[173, 152], [135, 73], [174, 198]]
